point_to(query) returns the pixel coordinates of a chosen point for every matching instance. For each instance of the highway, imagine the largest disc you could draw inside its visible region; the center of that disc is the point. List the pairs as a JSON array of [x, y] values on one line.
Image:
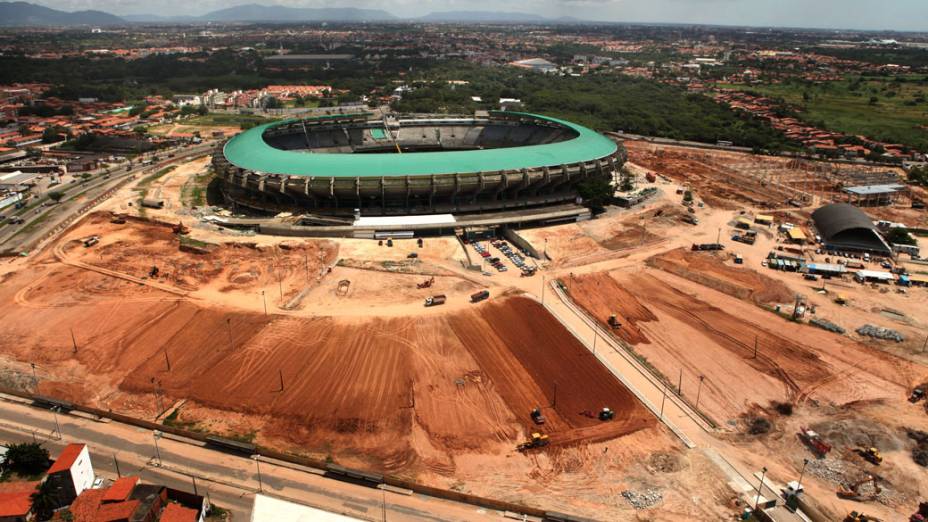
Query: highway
[[37, 225], [230, 481]]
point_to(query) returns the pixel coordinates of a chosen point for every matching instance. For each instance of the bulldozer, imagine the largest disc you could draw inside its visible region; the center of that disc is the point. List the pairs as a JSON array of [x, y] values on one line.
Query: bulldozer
[[614, 322], [538, 440], [537, 416], [917, 394], [852, 492], [871, 455]]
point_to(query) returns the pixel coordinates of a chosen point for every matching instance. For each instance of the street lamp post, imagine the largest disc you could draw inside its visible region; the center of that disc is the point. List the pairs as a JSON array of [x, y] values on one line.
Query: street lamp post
[[157, 435], [264, 298], [805, 462], [57, 425], [663, 399], [757, 500], [258, 467]]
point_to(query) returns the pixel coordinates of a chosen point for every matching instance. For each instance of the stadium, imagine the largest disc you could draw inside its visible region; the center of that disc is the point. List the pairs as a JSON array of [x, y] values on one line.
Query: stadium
[[350, 165]]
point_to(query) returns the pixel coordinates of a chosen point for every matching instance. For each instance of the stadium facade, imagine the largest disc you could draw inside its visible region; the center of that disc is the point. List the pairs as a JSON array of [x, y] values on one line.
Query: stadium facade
[[344, 164]]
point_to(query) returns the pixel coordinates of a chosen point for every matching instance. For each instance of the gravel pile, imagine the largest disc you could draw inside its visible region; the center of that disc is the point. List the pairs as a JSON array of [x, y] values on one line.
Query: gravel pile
[[879, 332], [827, 325], [643, 499], [832, 470]]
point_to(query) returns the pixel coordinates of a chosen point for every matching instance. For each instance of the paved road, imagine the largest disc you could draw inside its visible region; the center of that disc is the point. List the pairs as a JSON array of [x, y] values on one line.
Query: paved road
[[51, 216], [230, 480]]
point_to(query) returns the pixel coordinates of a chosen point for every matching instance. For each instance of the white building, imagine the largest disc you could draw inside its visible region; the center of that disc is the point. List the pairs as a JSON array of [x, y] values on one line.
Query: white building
[[270, 509], [72, 473]]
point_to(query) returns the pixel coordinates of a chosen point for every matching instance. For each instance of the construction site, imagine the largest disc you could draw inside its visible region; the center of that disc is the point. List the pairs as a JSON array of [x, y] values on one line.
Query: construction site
[[647, 364]]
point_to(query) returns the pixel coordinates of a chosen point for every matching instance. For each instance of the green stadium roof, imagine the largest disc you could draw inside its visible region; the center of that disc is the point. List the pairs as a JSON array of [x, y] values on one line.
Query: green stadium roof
[[249, 151]]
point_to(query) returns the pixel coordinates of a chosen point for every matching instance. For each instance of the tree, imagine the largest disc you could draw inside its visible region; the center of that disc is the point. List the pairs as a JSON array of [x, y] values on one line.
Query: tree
[[28, 458], [56, 196], [45, 500], [874, 100], [899, 236], [596, 192], [272, 103]]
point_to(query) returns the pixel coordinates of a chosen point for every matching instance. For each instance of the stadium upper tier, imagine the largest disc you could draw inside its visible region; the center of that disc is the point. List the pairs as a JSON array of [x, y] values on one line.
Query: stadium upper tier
[[358, 147]]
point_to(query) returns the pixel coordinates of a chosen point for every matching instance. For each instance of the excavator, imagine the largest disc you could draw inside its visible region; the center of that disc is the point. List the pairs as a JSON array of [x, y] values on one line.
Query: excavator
[[538, 440], [427, 283], [180, 228], [871, 455], [852, 492]]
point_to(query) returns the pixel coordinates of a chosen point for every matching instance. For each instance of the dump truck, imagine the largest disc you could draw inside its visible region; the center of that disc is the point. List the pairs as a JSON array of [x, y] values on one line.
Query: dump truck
[[537, 416], [435, 300], [538, 440], [479, 296], [814, 442], [91, 241]]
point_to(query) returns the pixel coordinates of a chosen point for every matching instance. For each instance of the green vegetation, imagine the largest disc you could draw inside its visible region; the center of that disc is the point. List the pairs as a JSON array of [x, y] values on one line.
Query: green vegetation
[[899, 236], [45, 500], [605, 102], [173, 421], [147, 180], [889, 110], [27, 459], [193, 193], [919, 176], [55, 196]]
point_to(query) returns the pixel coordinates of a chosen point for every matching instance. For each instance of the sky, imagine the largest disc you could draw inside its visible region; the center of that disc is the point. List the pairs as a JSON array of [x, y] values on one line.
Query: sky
[[902, 15]]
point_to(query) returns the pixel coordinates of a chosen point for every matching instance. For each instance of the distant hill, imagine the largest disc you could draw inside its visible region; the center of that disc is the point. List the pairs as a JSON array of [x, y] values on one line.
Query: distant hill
[[493, 16], [13, 14], [279, 13]]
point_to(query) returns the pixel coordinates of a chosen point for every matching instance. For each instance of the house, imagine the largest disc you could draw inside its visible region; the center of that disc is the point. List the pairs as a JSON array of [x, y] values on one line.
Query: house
[[16, 501], [128, 500], [72, 473]]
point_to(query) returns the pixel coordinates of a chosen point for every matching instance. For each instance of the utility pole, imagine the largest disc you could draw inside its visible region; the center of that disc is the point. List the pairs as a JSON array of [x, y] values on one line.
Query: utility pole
[[73, 341], [264, 298], [663, 399], [166, 360], [280, 373], [35, 378], [116, 462], [698, 390], [194, 478], [755, 346], [680, 384], [718, 238]]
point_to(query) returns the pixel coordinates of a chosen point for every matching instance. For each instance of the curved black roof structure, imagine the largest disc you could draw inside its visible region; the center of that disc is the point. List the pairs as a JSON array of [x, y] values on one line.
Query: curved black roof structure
[[846, 227]]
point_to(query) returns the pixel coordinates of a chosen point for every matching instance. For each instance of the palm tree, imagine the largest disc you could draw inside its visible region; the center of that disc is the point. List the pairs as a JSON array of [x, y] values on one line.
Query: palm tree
[[45, 500]]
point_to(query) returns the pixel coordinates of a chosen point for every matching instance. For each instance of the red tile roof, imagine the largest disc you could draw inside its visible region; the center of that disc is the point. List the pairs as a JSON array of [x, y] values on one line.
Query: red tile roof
[[120, 490], [15, 504], [66, 459], [178, 513], [115, 512]]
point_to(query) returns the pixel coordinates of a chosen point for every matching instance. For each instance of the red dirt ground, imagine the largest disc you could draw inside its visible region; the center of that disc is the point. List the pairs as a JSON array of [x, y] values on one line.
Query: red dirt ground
[[708, 269], [713, 335], [362, 386], [520, 335]]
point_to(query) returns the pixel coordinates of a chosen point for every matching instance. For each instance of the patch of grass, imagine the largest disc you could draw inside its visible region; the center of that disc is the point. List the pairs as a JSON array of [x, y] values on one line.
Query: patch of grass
[[225, 120], [845, 106], [218, 514], [147, 180], [189, 241], [193, 193], [248, 437], [173, 421]]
